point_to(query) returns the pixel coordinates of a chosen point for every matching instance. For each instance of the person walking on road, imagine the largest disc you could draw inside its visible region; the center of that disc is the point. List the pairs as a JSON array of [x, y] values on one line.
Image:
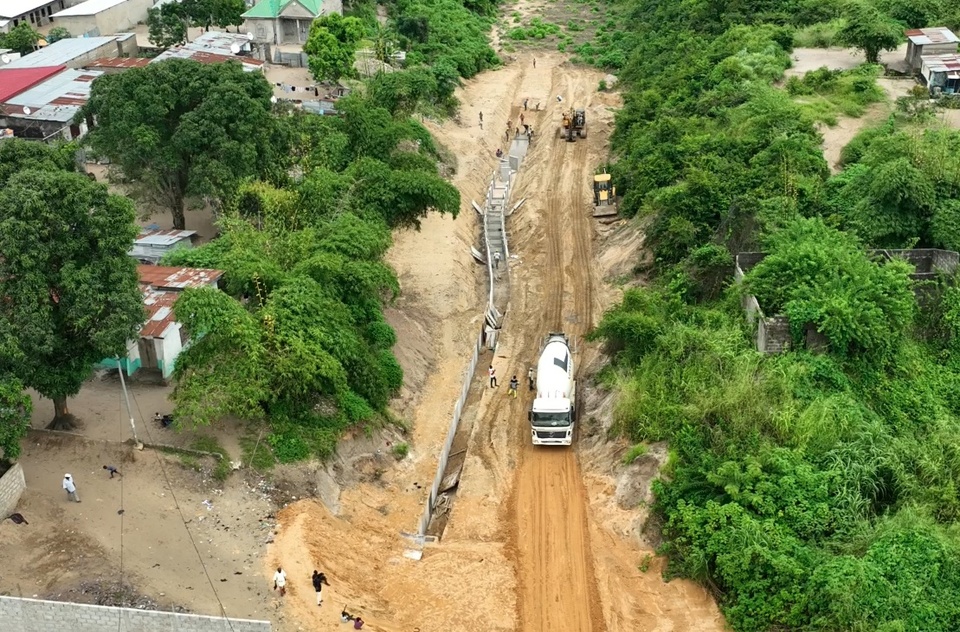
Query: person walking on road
[[493, 376], [112, 470], [530, 378], [514, 385], [319, 579], [71, 488], [280, 581]]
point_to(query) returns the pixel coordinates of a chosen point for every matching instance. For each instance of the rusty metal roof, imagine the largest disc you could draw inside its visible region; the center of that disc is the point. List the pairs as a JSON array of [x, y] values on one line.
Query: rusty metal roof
[[949, 62], [174, 278], [931, 35], [118, 62], [159, 305]]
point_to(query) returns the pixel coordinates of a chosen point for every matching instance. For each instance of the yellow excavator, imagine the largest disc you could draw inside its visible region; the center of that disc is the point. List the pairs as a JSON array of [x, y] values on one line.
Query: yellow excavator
[[574, 122], [604, 196]]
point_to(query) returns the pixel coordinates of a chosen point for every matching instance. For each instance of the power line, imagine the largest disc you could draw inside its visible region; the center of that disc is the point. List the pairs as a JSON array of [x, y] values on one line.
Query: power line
[[121, 512], [163, 471]]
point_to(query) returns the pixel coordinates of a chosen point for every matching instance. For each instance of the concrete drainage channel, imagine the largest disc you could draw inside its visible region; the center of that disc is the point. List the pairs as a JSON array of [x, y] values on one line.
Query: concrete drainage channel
[[493, 214]]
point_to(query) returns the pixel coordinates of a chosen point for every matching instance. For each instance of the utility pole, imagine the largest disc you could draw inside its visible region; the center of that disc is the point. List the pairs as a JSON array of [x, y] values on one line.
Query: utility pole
[[126, 398]]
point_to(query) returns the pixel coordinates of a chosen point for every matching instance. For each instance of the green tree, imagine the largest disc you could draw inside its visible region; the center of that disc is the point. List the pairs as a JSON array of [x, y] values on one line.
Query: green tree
[[311, 339], [199, 13], [17, 154], [71, 295], [167, 26], [869, 30], [181, 128], [57, 33], [331, 46], [228, 13], [22, 38], [15, 407], [816, 274]]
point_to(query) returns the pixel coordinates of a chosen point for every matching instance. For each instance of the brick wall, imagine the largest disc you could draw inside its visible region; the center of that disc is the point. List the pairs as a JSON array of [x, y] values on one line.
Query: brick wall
[[12, 485], [34, 615]]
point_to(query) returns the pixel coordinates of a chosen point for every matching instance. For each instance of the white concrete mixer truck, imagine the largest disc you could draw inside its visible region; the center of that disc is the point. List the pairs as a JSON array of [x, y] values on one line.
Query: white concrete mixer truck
[[554, 409]]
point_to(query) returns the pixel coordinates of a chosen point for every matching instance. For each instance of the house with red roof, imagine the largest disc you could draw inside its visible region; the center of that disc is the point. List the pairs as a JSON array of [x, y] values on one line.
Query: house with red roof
[[161, 338]]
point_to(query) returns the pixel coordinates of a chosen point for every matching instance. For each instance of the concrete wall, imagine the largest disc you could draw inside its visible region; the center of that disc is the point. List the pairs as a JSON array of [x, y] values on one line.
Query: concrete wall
[[773, 332], [116, 19], [12, 485], [168, 348], [262, 30], [34, 615]]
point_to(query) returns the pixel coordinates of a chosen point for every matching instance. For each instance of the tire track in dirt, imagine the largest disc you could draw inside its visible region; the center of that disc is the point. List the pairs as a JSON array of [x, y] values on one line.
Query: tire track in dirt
[[548, 507]]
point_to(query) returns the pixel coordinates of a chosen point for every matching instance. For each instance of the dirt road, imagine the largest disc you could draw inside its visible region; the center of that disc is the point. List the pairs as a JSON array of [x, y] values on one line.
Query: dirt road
[[534, 540], [558, 590]]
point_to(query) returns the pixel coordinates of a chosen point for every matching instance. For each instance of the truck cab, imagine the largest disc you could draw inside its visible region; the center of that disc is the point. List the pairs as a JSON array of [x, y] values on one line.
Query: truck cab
[[552, 416]]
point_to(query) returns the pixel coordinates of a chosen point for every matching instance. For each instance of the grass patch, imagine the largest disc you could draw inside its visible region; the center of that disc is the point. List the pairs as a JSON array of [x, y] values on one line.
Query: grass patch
[[537, 29], [206, 443], [259, 456], [825, 94], [819, 35], [634, 453], [400, 451]]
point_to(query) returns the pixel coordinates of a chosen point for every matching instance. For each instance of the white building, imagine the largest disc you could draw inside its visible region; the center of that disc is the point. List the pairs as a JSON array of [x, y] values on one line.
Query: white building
[[34, 12], [102, 17], [161, 338]]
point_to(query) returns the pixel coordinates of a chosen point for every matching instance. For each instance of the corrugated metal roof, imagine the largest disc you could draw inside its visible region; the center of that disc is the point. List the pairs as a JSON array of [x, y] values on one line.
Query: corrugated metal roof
[[16, 8], [949, 62], [174, 278], [159, 306], [13, 81], [62, 51], [56, 99], [164, 237], [250, 65], [931, 35], [118, 62], [88, 7], [214, 47]]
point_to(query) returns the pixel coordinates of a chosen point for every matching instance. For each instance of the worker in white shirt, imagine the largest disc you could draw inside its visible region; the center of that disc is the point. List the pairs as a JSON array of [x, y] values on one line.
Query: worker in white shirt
[[280, 581], [71, 488]]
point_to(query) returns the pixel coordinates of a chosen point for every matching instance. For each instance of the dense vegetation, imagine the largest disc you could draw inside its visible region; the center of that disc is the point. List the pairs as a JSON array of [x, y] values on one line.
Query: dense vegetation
[[295, 338], [808, 490], [70, 290], [297, 335]]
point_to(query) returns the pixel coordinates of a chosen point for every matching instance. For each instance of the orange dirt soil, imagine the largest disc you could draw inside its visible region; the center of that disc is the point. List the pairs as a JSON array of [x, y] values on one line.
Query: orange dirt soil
[[534, 540]]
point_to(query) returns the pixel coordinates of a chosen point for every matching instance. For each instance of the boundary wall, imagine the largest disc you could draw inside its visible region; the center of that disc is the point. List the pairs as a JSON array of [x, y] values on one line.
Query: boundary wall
[[36, 615], [12, 486], [494, 214]]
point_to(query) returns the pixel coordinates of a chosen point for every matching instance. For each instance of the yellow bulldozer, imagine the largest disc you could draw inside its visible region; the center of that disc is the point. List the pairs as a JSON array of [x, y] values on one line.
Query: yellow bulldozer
[[604, 196], [574, 123]]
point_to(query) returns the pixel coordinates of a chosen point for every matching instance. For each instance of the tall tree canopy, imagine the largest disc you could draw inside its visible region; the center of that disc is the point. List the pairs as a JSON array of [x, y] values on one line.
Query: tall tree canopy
[[180, 128], [15, 407], [22, 38], [71, 295], [869, 30], [167, 25], [331, 46]]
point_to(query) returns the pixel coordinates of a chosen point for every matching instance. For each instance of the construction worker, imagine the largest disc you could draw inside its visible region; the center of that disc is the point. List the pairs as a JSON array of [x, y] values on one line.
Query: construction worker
[[493, 376], [525, 104], [530, 378], [514, 385]]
